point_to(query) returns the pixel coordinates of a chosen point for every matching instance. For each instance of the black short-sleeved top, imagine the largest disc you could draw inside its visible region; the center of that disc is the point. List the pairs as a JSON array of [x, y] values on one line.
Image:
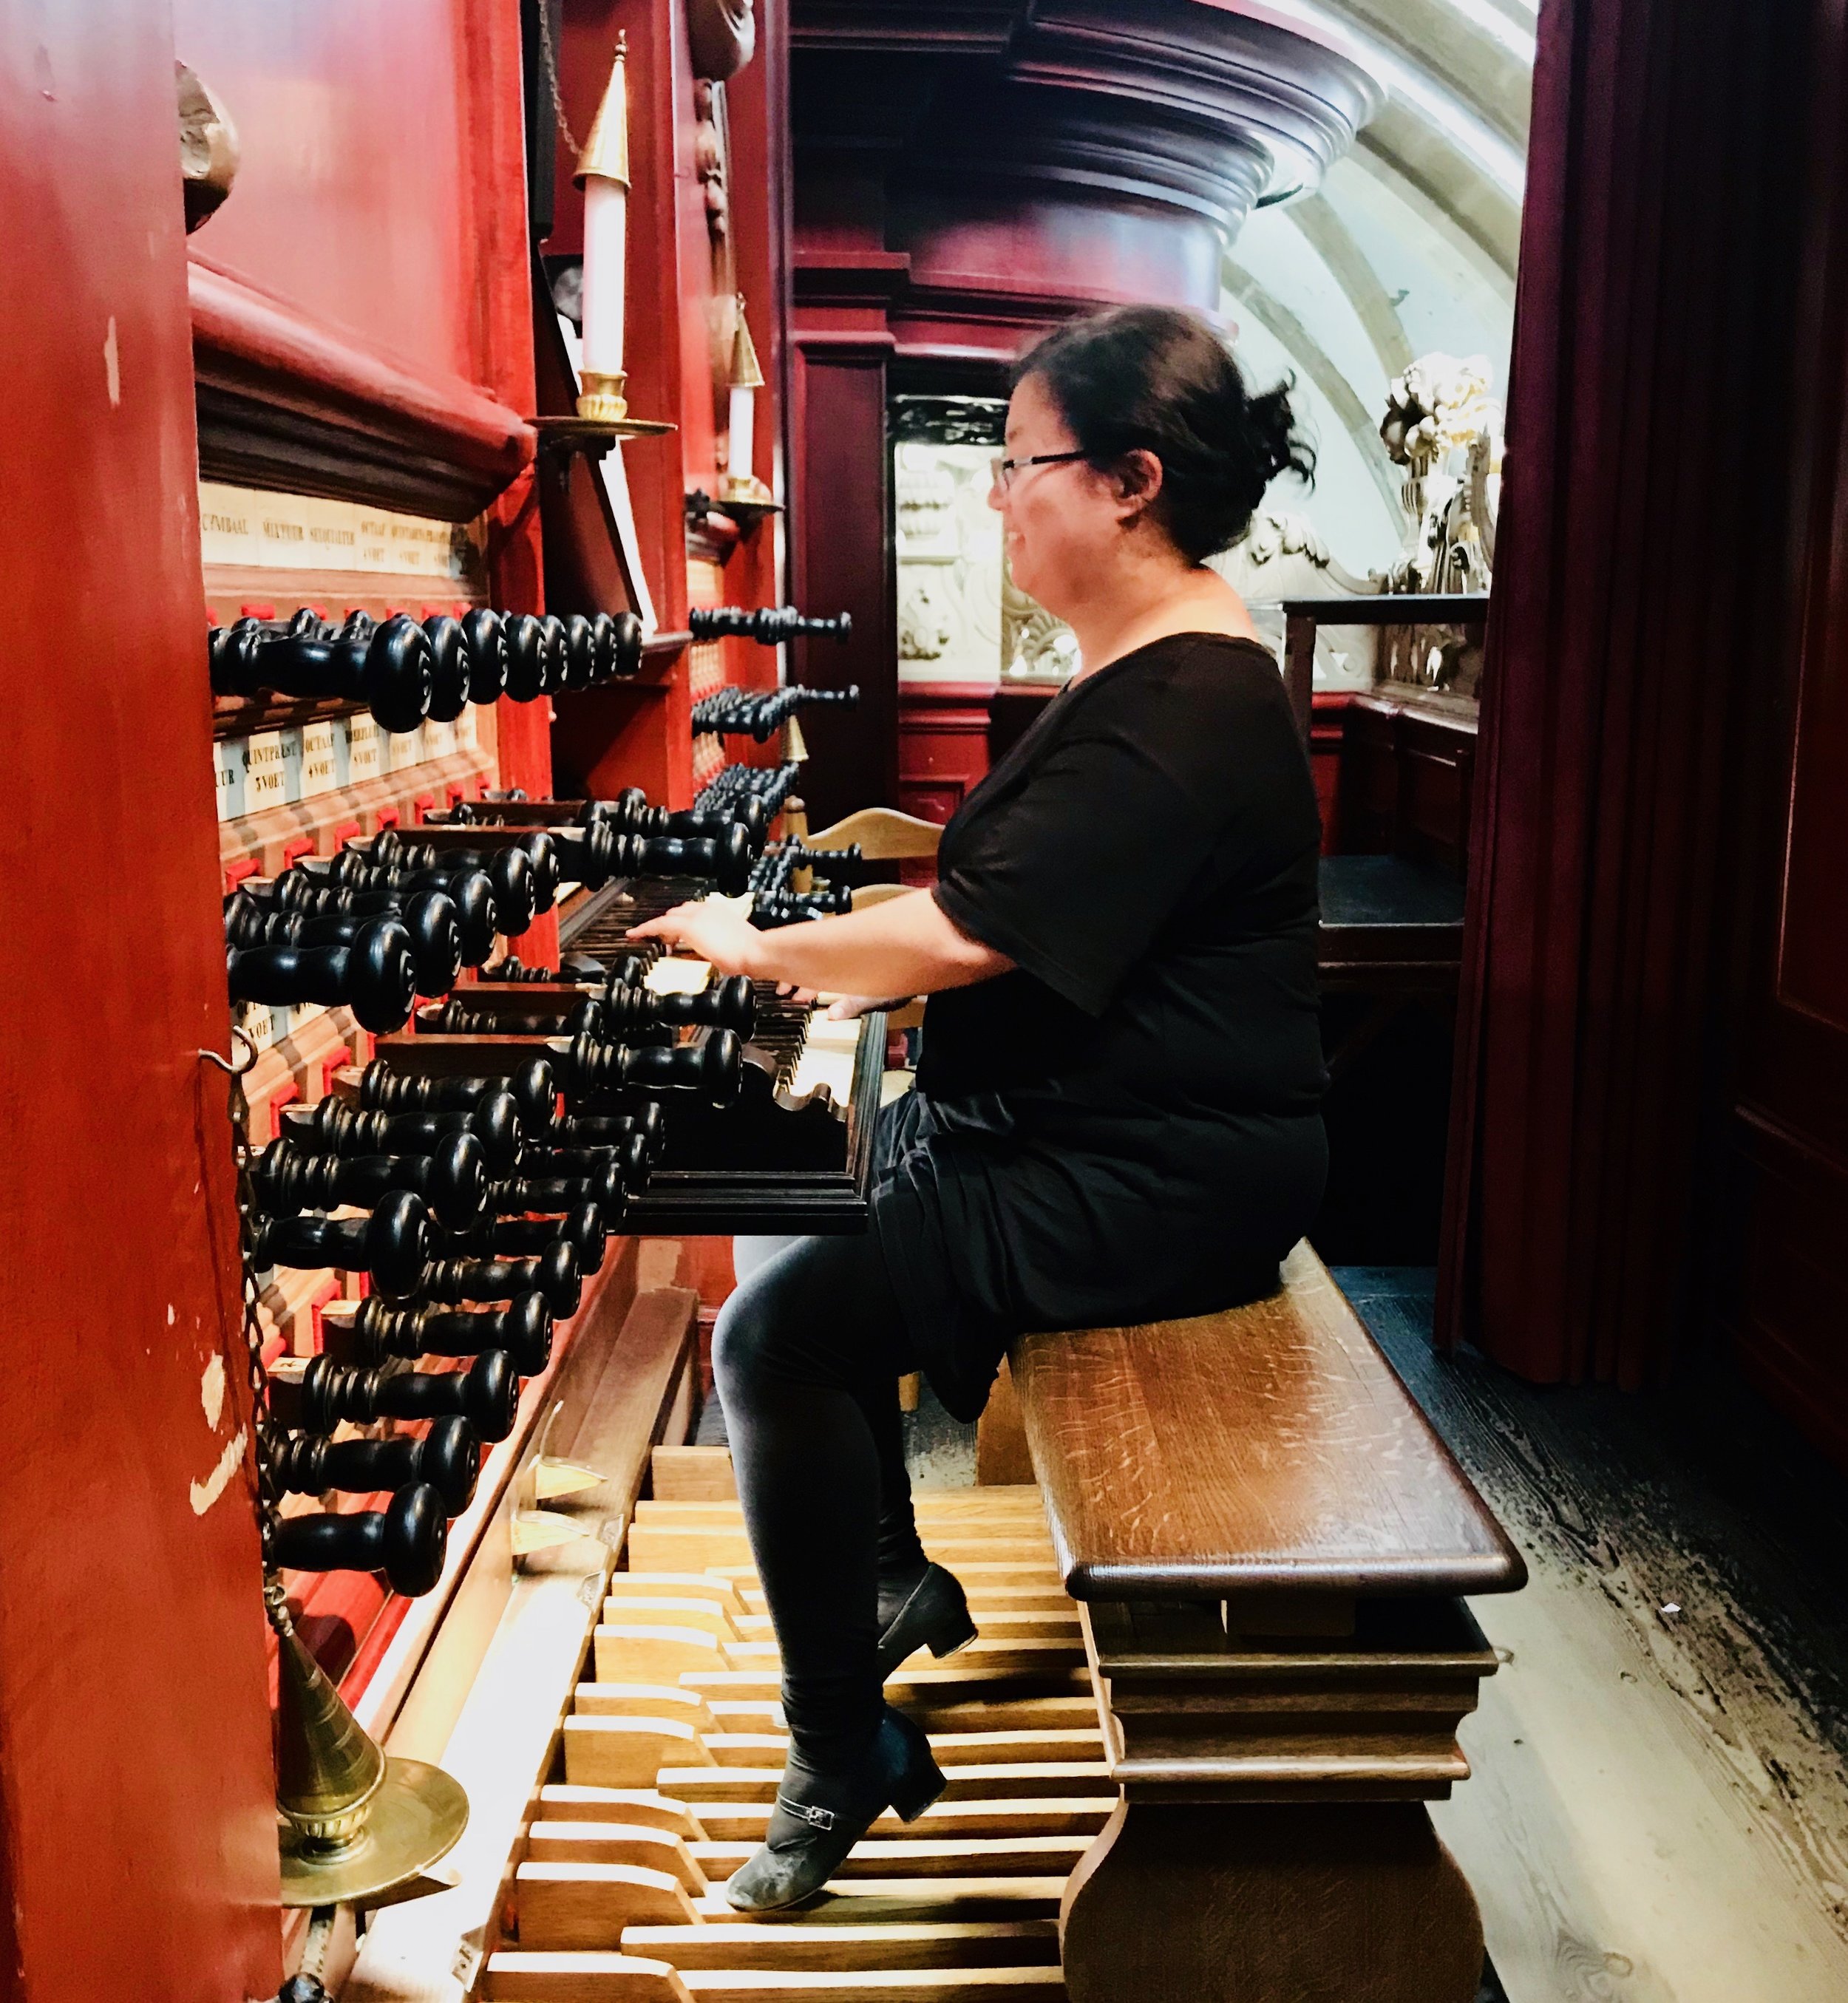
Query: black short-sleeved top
[[1126, 1127]]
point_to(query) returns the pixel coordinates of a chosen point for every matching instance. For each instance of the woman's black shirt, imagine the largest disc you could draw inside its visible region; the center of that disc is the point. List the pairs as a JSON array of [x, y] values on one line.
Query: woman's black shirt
[[1126, 1127]]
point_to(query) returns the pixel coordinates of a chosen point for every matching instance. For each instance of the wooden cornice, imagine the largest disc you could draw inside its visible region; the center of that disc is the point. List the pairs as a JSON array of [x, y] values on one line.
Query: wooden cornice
[[286, 401]]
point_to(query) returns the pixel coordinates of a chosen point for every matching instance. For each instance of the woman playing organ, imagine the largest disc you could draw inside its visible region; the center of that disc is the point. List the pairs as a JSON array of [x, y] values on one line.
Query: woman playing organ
[[1116, 1111]]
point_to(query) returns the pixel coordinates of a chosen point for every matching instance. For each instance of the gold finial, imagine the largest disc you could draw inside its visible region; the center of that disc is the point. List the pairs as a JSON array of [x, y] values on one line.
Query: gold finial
[[746, 374], [606, 152]]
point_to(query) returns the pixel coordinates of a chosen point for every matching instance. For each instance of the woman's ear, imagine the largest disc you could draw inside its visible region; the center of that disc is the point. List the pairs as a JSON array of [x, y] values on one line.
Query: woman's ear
[[1138, 480]]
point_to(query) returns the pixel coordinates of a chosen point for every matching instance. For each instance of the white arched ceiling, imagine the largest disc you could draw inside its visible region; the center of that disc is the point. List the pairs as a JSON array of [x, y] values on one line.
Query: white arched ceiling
[[1408, 247]]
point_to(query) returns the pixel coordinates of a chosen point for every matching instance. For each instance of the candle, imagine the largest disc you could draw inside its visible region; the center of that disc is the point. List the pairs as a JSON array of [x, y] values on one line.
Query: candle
[[743, 421], [606, 228], [603, 173], [741, 483]]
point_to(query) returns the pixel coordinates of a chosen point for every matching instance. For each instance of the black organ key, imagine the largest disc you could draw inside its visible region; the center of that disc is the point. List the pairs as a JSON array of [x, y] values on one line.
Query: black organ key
[[487, 1394], [452, 1181], [375, 975], [389, 1246], [407, 1542], [448, 1457]]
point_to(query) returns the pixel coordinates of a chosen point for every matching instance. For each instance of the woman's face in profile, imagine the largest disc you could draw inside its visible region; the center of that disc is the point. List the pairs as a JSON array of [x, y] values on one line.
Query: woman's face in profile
[[1060, 523]]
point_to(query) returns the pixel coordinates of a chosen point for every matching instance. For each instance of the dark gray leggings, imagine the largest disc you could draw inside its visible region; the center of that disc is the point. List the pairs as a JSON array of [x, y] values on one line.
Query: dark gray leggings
[[806, 1353]]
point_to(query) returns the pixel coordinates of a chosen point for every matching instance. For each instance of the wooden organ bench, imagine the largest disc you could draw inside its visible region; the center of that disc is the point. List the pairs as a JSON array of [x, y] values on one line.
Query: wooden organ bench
[[1267, 1543], [1222, 1662]]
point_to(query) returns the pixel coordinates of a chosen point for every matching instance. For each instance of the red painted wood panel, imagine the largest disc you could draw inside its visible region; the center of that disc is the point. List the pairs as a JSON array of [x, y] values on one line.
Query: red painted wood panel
[[844, 563], [355, 197], [137, 1831]]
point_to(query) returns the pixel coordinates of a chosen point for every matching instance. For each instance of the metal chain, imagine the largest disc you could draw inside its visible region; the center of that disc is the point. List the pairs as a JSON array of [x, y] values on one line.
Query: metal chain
[[549, 59], [263, 1425]]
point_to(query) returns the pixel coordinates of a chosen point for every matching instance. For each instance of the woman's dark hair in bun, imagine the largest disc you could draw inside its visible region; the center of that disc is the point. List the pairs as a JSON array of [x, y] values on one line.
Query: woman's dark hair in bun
[[1160, 379]]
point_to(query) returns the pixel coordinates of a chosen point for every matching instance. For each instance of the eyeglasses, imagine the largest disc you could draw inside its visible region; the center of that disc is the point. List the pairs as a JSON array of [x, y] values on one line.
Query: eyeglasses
[[1003, 470]]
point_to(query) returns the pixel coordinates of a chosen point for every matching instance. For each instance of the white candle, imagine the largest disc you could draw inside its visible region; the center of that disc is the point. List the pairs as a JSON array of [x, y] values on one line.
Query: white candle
[[744, 419], [606, 249]]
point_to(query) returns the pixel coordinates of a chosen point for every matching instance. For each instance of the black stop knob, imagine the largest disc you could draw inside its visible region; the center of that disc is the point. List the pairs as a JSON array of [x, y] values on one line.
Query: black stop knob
[[376, 977], [532, 1086], [555, 1273], [487, 1394], [407, 1542], [389, 1246], [448, 1457]]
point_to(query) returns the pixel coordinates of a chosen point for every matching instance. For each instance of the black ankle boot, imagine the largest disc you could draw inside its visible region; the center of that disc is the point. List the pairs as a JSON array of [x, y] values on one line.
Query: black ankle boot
[[933, 1614], [820, 1816]]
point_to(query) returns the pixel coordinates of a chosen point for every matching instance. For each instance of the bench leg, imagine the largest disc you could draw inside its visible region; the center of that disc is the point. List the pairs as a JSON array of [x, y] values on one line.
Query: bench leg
[[1261, 1903]]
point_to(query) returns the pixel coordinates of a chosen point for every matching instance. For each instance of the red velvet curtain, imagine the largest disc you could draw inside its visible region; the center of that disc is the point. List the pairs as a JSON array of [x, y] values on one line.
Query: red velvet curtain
[[1637, 612]]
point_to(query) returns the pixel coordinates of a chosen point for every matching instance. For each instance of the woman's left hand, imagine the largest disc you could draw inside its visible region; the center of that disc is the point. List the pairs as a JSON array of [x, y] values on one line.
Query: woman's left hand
[[710, 931]]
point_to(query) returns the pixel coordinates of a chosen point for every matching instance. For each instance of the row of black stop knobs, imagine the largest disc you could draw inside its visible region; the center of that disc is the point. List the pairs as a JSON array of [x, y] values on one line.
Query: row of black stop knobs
[[404, 670], [488, 1200], [760, 713], [384, 921]]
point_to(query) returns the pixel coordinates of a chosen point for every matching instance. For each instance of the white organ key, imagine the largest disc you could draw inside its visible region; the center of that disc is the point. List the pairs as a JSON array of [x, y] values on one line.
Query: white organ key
[[827, 1056]]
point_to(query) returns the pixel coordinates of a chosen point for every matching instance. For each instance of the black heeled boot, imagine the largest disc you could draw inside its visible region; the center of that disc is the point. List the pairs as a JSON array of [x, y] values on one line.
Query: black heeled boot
[[820, 1816], [929, 1612]]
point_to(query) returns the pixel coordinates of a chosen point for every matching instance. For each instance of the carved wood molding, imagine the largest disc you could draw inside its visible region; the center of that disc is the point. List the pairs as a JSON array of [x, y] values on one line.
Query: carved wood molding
[[287, 402], [1164, 101]]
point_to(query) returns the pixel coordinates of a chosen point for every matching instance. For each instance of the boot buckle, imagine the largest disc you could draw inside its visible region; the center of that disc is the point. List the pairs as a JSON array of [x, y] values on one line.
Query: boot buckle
[[823, 1818]]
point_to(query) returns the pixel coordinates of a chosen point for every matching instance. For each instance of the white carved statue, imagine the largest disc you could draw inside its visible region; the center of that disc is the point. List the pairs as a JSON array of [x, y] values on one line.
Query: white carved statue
[[1444, 429]]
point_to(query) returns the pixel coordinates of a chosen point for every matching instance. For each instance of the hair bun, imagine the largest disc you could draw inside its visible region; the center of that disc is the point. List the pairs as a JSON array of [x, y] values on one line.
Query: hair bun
[[1159, 379]]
